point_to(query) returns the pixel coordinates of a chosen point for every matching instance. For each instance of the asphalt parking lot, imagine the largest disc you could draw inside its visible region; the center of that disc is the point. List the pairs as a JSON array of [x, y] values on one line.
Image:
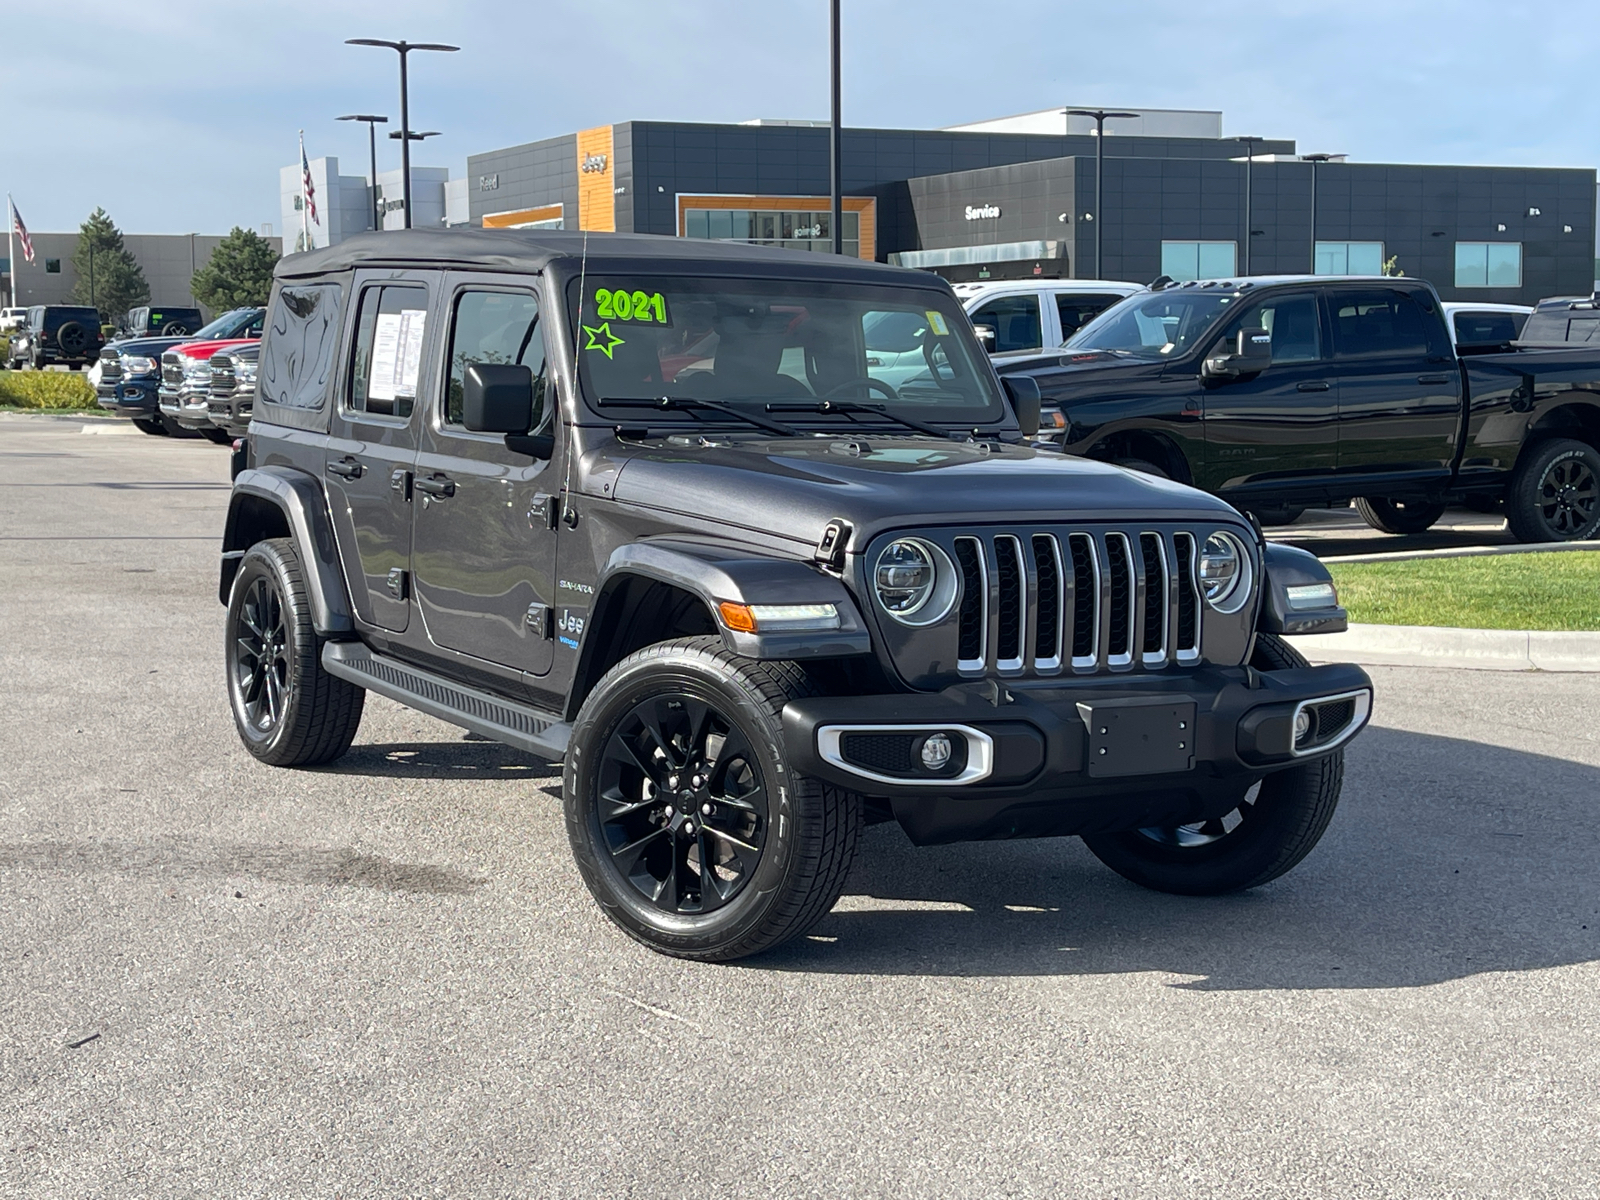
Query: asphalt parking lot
[[385, 978]]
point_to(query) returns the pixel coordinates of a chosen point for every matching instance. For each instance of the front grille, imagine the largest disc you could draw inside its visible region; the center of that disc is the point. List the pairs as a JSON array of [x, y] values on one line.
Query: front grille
[[172, 370], [1107, 601], [223, 380]]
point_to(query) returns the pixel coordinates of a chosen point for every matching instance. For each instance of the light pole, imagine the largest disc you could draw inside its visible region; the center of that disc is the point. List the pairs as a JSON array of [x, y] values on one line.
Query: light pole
[[835, 172], [403, 49], [1314, 160], [372, 146], [411, 137], [1249, 160], [1101, 116]]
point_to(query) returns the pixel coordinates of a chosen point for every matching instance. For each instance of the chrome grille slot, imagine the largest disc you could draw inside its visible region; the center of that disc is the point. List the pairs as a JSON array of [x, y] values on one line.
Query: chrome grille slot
[[972, 640], [1085, 602], [1013, 602], [1188, 635], [1157, 597], [1047, 568], [1119, 587]]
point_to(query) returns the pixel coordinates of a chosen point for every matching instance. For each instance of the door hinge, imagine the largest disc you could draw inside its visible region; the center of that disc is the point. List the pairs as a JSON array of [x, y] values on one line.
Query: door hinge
[[400, 483], [538, 620], [831, 546], [399, 582], [542, 512]]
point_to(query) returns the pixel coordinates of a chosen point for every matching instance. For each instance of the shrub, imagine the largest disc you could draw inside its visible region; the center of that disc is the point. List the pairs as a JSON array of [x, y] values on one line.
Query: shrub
[[45, 389]]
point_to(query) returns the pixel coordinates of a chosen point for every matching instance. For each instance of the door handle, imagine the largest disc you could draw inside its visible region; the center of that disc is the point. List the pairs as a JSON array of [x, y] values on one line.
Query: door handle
[[1313, 385], [345, 468], [1435, 379], [438, 487]]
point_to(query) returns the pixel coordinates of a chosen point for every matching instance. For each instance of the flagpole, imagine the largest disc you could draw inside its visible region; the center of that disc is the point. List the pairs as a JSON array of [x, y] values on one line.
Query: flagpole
[[305, 202], [11, 248]]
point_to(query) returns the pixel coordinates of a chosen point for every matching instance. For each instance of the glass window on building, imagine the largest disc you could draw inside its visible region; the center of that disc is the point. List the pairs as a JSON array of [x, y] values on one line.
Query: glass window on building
[[1488, 264], [1184, 261], [1349, 258], [764, 227]]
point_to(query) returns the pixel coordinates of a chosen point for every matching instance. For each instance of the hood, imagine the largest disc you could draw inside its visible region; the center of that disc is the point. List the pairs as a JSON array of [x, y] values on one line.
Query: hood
[[146, 346], [1062, 373], [207, 348], [792, 487]]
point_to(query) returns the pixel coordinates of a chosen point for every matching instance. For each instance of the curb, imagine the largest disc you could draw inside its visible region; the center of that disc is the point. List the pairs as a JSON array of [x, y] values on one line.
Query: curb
[[1470, 649], [1465, 552]]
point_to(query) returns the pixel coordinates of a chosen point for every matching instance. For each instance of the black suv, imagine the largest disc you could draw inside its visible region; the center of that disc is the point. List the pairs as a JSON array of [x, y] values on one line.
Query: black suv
[[641, 504], [162, 322], [57, 335]]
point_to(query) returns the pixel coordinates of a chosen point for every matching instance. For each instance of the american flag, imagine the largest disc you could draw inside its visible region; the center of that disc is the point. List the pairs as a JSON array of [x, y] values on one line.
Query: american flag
[[305, 183], [22, 232]]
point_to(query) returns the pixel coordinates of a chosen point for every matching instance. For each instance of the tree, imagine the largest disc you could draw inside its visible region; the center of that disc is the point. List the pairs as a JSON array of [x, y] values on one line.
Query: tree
[[238, 274], [109, 277], [1391, 266]]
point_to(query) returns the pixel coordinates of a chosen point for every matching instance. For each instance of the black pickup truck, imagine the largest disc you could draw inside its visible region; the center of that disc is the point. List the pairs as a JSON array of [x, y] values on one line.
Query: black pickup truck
[[1284, 392]]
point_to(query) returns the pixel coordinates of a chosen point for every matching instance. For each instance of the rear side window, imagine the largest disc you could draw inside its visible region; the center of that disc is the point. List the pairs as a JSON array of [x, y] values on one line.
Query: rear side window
[[1077, 310], [302, 337], [1480, 328], [389, 337], [1015, 321], [1377, 323]]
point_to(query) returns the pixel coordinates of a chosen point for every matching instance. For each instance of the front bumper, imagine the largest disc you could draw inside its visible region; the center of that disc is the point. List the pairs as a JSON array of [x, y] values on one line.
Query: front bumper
[[1083, 756], [193, 413], [130, 398]]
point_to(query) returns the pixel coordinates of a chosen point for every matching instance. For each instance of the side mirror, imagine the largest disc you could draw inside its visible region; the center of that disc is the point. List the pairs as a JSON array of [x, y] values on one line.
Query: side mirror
[[985, 336], [1250, 355], [498, 398], [1023, 391]]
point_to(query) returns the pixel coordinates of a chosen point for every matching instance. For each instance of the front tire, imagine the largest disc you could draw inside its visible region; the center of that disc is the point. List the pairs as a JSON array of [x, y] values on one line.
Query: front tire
[[288, 710], [688, 825], [1555, 494], [1398, 516], [1255, 843], [152, 427]]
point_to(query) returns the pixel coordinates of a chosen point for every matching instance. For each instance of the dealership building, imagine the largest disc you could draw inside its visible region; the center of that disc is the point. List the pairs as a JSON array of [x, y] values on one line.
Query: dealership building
[[1017, 197]]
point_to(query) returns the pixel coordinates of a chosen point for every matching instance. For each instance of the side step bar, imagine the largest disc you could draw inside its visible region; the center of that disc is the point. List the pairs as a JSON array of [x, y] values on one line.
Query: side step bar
[[530, 729]]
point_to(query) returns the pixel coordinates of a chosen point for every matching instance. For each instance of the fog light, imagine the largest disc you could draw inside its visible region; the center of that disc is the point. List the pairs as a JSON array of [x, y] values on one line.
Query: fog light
[[936, 751], [1302, 725]]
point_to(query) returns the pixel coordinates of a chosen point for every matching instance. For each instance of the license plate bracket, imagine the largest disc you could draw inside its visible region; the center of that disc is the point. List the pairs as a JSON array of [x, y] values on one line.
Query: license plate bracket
[[1136, 736]]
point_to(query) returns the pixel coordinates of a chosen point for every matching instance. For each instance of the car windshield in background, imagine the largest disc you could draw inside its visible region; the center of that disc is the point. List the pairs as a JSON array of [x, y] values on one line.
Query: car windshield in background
[[1156, 326], [751, 343], [232, 324]]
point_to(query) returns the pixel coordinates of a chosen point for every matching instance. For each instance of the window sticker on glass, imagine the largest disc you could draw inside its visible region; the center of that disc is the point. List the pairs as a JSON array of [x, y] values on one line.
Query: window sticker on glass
[[602, 339], [937, 324], [623, 305], [397, 354]]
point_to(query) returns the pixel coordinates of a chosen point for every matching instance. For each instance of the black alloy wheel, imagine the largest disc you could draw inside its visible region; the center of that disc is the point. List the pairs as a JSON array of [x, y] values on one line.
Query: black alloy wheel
[[259, 666], [1274, 825], [1555, 494], [683, 804]]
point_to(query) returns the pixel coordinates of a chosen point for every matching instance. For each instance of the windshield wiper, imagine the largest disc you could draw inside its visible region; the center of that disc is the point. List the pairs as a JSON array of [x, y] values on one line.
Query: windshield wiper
[[826, 407], [681, 404]]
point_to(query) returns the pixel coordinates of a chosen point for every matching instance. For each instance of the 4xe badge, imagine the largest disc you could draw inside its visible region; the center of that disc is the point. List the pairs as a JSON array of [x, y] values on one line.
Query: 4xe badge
[[571, 628]]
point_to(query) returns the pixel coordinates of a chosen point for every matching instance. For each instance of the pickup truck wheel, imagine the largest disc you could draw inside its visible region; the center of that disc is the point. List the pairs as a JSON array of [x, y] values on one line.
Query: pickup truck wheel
[[688, 825], [288, 710], [1555, 494], [1277, 514], [1143, 467], [146, 425], [1398, 516], [1275, 825]]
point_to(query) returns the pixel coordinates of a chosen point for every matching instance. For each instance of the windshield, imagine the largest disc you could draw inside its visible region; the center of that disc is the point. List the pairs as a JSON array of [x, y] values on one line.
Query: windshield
[[1157, 326], [751, 343], [241, 322]]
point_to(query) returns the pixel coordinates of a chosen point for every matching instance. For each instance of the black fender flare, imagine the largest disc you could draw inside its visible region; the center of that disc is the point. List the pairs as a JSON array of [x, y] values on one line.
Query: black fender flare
[[716, 575], [1283, 567], [299, 498]]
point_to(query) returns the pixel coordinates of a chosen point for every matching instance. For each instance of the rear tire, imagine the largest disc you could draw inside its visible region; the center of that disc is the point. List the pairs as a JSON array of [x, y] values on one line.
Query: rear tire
[[1398, 516], [1257, 842], [1555, 494], [289, 712], [688, 825]]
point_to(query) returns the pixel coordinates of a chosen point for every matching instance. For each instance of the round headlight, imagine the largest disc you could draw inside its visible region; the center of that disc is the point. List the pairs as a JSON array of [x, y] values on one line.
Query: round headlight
[[914, 581], [1225, 572]]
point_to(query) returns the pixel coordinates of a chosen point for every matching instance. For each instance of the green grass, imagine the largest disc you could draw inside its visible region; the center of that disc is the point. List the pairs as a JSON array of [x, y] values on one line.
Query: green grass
[[1498, 591]]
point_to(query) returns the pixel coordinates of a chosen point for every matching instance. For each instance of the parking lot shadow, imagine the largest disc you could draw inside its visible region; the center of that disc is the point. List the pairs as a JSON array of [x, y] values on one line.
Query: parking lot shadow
[[1446, 858], [468, 759]]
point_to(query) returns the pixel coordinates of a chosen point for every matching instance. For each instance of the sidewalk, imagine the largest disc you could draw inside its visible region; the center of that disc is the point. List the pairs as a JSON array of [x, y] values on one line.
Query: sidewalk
[[1472, 649]]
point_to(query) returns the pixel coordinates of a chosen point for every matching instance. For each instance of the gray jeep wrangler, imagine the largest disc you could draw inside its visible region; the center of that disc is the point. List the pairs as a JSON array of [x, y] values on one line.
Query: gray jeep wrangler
[[684, 516]]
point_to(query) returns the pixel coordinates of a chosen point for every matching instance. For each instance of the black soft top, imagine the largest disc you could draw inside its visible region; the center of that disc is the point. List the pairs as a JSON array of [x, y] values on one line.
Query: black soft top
[[533, 250]]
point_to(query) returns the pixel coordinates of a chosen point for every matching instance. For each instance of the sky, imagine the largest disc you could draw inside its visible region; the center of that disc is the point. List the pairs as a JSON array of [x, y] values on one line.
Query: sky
[[176, 118]]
